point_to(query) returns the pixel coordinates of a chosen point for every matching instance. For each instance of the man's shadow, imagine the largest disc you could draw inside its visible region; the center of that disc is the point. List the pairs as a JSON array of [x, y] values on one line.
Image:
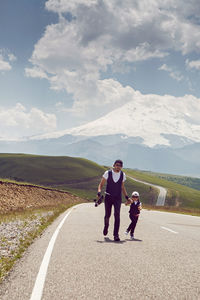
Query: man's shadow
[[108, 240]]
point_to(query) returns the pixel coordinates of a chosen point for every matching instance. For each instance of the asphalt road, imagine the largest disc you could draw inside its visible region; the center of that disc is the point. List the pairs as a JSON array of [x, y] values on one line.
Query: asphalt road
[[163, 262], [162, 194]]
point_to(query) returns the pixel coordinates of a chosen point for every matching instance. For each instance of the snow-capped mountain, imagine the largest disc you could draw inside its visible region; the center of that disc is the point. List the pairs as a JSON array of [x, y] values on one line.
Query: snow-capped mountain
[[160, 134], [155, 120]]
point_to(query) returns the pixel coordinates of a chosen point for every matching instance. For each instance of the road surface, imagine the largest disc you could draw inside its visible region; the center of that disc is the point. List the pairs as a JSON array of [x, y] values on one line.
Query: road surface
[[162, 194], [163, 261]]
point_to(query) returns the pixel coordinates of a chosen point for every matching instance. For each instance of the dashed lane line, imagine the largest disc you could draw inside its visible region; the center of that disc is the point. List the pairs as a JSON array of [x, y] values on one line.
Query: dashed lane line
[[168, 229]]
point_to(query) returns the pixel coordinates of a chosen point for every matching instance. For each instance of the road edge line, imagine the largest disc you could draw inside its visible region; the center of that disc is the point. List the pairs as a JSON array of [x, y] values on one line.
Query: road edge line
[[41, 276]]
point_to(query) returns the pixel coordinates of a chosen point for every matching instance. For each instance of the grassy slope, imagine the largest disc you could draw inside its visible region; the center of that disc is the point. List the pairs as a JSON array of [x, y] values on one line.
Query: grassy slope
[[148, 196], [47, 170], [191, 182], [81, 176], [177, 194], [76, 175]]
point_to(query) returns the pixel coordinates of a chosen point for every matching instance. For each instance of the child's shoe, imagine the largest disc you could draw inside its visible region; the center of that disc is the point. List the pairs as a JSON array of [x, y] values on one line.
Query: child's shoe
[[126, 232], [132, 236]]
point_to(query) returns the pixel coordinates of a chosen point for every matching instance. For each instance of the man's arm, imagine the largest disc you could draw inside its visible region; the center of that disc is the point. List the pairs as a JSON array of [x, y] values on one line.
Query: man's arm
[[124, 191], [101, 184], [128, 200]]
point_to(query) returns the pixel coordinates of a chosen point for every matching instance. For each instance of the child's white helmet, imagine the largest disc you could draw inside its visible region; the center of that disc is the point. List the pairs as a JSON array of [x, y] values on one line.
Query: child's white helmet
[[135, 194]]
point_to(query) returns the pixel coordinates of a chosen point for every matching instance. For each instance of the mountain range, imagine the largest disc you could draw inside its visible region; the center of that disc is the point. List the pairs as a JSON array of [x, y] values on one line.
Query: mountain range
[[153, 121], [148, 133]]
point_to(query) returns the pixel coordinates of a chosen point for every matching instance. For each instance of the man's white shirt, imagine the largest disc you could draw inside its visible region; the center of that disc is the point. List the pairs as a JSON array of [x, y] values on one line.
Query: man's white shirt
[[115, 176]]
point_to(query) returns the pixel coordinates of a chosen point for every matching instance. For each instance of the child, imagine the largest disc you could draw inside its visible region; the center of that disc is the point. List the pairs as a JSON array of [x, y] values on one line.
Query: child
[[134, 212]]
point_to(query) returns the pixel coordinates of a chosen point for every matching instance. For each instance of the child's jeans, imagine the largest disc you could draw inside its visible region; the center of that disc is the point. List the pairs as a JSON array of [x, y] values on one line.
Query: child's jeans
[[134, 220]]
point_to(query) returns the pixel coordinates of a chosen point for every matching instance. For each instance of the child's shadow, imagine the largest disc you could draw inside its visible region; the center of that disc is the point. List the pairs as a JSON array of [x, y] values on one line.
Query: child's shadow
[[108, 240], [134, 240]]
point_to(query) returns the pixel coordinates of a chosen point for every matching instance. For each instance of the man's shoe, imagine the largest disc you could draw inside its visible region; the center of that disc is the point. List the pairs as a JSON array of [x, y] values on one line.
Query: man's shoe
[[105, 230], [116, 239], [126, 232], [132, 237]]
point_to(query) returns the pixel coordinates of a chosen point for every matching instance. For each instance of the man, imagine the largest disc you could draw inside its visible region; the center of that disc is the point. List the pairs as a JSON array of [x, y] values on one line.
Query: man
[[115, 186]]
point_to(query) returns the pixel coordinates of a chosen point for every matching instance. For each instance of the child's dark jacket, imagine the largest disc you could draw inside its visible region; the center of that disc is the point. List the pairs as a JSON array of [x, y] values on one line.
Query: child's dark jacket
[[134, 208]]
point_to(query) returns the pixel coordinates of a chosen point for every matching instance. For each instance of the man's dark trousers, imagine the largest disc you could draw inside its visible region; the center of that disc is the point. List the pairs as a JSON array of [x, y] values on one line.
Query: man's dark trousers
[[116, 202]]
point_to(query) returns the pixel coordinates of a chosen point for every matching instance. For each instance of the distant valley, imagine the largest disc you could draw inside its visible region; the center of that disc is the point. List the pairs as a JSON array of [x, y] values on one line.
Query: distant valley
[[104, 149]]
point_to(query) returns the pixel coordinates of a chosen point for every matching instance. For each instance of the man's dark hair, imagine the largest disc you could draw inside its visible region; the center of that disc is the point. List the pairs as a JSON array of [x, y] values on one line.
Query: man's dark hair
[[119, 161]]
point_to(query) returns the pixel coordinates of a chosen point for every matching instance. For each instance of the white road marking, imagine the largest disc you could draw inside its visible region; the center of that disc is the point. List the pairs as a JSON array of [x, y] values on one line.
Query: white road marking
[[40, 280], [169, 229]]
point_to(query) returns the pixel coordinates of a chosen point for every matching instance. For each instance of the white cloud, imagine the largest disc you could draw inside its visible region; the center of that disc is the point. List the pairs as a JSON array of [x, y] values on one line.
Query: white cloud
[[5, 58], [165, 24], [105, 34], [35, 73], [110, 95], [4, 65], [17, 121], [193, 64], [59, 104], [164, 67], [143, 52], [174, 74], [63, 6], [12, 57]]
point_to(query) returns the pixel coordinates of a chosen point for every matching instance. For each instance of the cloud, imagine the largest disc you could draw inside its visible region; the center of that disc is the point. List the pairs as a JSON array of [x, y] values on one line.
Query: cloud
[[59, 104], [5, 58], [111, 94], [12, 57], [161, 24], [100, 35], [35, 73], [174, 74], [17, 121], [143, 52], [4, 65], [193, 64]]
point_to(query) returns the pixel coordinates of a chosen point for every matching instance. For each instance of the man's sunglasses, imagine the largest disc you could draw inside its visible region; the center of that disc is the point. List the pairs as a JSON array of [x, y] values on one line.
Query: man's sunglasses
[[118, 165]]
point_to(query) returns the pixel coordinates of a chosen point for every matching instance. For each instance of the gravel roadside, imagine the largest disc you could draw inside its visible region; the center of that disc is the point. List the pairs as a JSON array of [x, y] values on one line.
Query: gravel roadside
[[13, 232], [25, 211]]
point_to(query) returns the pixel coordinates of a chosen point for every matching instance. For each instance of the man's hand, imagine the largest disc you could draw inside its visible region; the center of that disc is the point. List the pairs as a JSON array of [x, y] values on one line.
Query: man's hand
[[99, 194], [128, 201], [99, 200]]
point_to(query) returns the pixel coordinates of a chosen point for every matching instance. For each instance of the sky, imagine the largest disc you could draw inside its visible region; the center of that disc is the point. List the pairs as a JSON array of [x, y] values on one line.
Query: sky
[[64, 63]]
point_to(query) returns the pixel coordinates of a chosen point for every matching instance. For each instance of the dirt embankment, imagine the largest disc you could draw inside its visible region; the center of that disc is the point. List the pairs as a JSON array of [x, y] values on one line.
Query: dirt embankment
[[16, 197]]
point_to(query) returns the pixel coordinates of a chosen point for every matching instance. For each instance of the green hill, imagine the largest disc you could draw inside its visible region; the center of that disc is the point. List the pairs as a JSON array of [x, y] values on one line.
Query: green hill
[[192, 182], [81, 177], [77, 175], [177, 195], [47, 170]]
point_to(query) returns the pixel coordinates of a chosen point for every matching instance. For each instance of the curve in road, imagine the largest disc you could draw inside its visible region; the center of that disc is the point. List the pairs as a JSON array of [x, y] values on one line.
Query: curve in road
[[162, 194]]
